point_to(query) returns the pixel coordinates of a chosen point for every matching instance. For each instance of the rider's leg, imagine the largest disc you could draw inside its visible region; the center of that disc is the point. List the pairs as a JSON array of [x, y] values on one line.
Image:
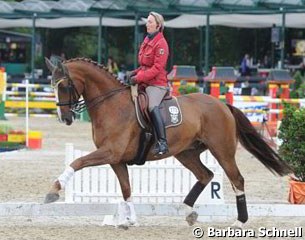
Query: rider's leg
[[157, 120], [155, 95]]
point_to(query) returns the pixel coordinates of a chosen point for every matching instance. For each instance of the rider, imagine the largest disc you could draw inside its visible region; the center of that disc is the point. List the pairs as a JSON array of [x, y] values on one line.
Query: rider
[[153, 57]]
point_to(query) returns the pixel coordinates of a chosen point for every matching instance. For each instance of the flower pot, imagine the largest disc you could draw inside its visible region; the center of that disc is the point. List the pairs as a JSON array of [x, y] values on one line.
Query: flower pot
[[296, 192], [3, 137], [17, 138]]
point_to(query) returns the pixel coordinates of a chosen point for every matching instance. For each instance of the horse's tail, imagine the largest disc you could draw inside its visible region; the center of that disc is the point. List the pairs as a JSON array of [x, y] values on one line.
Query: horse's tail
[[255, 144]]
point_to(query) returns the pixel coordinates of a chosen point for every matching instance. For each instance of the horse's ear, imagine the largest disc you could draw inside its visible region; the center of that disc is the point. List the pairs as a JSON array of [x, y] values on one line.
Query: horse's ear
[[49, 64], [62, 67]]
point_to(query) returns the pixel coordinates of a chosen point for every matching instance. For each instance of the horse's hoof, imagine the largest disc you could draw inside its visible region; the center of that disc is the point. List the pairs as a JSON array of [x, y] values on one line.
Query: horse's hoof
[[191, 218], [51, 197], [237, 225], [122, 226]]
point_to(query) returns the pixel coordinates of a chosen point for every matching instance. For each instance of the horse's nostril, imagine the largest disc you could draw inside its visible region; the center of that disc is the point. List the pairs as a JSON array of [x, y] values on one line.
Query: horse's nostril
[[67, 118], [68, 122]]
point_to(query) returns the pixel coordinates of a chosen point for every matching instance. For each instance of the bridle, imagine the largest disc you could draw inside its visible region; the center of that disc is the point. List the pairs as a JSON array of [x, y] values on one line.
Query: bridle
[[76, 104]]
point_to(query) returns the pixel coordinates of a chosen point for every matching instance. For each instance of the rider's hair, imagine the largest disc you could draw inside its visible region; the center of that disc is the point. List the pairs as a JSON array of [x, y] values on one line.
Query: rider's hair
[[159, 19]]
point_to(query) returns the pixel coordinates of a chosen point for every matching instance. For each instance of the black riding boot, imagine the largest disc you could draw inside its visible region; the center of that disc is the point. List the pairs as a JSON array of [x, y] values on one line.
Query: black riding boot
[[161, 147]]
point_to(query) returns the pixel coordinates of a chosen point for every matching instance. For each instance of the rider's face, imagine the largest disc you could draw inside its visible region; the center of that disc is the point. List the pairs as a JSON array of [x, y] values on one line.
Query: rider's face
[[152, 25]]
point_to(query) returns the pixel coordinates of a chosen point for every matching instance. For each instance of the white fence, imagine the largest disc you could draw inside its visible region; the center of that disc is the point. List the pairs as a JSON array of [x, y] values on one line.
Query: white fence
[[164, 181]]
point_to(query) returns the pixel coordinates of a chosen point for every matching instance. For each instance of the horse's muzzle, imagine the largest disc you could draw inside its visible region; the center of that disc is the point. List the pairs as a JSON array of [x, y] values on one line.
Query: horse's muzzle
[[67, 118]]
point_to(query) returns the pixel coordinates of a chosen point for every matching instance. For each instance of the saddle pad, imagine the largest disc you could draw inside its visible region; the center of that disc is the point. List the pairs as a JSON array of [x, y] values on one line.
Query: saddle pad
[[171, 112]]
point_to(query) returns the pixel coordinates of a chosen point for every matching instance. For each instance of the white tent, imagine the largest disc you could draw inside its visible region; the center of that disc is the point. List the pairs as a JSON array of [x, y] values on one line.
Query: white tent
[[293, 20], [65, 22]]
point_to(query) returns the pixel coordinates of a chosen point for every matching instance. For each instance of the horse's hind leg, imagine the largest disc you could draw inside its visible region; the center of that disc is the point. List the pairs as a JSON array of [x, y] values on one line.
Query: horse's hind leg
[[226, 158], [191, 160]]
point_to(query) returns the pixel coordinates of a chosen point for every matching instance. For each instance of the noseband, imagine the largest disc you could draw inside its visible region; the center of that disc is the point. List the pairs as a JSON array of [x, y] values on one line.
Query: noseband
[[75, 104]]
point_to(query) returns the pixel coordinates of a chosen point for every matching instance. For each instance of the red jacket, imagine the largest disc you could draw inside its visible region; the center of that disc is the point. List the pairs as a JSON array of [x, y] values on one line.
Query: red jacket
[[152, 58]]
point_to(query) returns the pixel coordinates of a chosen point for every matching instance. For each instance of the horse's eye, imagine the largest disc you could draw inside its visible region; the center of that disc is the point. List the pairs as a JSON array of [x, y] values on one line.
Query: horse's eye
[[64, 89]]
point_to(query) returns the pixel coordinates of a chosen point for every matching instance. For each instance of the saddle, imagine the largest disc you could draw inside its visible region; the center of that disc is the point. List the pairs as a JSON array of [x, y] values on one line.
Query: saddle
[[169, 107], [170, 112]]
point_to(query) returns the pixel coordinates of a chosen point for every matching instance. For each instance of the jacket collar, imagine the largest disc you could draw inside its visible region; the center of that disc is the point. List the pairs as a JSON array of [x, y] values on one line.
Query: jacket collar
[[154, 40]]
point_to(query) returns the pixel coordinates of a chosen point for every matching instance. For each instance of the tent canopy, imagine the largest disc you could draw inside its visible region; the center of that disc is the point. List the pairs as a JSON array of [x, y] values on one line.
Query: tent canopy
[[65, 22], [179, 13], [293, 20], [127, 8]]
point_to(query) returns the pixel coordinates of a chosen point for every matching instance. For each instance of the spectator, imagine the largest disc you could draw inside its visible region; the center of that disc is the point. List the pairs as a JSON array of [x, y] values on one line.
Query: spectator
[[266, 62], [112, 66], [63, 56], [122, 73], [245, 65]]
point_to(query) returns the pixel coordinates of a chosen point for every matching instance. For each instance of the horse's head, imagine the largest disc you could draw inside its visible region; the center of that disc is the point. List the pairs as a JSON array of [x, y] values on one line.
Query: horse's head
[[66, 92]]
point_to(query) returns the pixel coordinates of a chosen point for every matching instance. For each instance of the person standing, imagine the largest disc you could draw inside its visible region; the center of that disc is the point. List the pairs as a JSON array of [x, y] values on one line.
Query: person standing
[[112, 65], [152, 59], [245, 65]]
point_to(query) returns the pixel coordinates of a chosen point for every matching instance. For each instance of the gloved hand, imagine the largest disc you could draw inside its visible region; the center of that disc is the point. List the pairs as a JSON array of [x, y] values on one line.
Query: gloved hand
[[129, 75], [133, 80]]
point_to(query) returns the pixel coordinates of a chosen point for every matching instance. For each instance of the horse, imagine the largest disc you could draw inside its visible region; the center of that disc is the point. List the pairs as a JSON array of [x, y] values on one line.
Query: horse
[[207, 123]]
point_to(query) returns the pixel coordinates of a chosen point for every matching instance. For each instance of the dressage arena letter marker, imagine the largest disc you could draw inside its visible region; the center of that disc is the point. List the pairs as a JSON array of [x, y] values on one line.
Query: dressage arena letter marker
[[215, 187]]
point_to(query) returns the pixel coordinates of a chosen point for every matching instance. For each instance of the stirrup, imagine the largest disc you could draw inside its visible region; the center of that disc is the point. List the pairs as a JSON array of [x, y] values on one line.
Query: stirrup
[[161, 148]]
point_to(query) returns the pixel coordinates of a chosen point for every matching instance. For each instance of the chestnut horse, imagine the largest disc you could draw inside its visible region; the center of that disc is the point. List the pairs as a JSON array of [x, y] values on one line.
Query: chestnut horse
[[207, 124]]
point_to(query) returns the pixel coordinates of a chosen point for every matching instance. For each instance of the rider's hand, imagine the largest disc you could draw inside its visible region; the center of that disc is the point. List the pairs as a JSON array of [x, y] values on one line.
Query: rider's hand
[[129, 75], [133, 80]]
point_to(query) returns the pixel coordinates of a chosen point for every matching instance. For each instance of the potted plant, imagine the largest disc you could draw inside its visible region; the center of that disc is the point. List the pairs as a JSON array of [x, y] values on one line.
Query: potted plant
[[3, 136], [187, 89], [4, 128], [292, 150]]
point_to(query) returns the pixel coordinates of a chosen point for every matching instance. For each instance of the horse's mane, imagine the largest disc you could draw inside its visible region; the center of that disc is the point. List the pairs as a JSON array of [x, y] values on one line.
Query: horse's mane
[[95, 64]]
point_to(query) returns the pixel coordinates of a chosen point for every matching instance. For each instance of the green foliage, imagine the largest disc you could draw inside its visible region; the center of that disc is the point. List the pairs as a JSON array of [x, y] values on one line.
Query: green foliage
[[39, 62], [299, 79], [81, 44], [11, 145], [301, 90], [292, 133], [186, 46], [299, 86], [187, 89], [5, 128], [227, 46]]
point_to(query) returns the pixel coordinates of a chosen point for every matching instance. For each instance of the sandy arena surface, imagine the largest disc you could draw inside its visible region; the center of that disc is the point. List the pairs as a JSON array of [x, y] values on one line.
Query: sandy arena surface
[[26, 177]]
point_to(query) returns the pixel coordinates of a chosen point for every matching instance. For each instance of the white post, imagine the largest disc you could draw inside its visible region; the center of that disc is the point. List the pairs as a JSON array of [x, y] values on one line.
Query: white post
[[69, 157], [27, 112]]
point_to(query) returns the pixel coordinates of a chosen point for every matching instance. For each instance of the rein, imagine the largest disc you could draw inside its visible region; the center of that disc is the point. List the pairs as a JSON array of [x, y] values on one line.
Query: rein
[[79, 106], [99, 99]]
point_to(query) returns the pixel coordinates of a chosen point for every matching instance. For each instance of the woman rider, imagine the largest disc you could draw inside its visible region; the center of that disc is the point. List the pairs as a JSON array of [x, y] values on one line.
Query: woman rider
[[152, 58]]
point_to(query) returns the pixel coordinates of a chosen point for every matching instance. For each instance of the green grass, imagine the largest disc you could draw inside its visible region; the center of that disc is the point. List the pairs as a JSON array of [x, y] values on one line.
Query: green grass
[[10, 145]]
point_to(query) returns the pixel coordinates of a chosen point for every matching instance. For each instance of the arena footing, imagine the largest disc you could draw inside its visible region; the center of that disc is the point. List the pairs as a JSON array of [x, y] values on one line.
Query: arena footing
[[146, 209]]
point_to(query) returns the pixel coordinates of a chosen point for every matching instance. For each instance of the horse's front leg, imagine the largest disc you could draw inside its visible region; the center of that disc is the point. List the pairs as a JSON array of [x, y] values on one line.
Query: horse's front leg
[[98, 157], [126, 212]]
